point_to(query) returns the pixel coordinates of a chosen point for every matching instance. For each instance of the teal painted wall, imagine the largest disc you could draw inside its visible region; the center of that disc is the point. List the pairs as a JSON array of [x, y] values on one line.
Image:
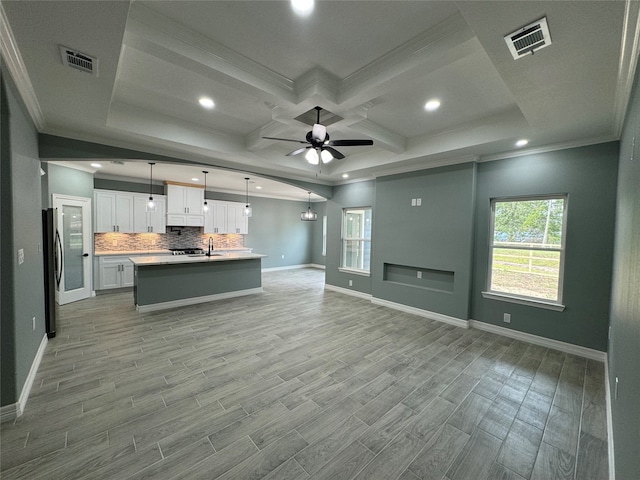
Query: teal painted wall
[[22, 284], [434, 238], [588, 175], [68, 181], [361, 194], [624, 345]]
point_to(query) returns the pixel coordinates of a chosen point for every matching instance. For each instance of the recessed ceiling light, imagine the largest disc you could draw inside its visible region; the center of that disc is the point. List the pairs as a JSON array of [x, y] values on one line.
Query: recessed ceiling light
[[96, 165], [195, 179], [345, 175], [522, 142], [432, 105], [302, 7], [258, 187], [206, 102]]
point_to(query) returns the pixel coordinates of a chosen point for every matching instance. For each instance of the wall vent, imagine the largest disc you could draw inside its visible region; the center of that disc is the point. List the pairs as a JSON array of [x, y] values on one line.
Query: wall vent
[[529, 39], [81, 61]]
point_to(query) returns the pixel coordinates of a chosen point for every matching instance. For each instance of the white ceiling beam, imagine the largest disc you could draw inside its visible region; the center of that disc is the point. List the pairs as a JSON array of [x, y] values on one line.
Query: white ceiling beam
[[145, 28]]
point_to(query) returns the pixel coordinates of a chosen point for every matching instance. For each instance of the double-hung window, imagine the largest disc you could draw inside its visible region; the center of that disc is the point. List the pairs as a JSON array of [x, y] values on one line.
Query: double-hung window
[[527, 248], [356, 240]]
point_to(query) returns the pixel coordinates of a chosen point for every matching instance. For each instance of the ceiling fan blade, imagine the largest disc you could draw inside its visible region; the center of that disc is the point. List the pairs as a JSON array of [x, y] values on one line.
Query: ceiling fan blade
[[350, 143], [297, 152], [285, 139], [336, 154]]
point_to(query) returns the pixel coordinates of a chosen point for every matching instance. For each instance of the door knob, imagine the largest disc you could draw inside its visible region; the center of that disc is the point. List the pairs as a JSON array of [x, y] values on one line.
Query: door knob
[[85, 254]]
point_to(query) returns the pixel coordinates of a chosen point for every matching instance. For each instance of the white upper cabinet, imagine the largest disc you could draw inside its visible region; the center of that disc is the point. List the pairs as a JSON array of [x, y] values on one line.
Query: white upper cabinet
[[225, 217], [184, 205], [113, 211], [149, 222]]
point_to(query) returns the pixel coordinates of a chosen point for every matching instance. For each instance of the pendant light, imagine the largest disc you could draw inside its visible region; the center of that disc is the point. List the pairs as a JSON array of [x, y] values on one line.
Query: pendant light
[[309, 216], [205, 207], [247, 212], [151, 205]]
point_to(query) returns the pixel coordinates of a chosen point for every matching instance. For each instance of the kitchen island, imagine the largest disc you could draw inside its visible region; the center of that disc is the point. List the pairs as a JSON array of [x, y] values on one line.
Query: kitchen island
[[166, 281]]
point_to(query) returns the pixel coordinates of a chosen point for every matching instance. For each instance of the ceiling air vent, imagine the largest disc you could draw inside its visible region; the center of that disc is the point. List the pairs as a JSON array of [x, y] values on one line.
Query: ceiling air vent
[[81, 61], [528, 39]]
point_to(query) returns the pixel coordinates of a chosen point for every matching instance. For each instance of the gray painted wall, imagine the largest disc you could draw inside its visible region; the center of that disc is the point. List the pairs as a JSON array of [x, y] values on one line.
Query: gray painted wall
[[68, 181], [588, 175], [435, 239], [624, 345], [361, 194], [22, 284]]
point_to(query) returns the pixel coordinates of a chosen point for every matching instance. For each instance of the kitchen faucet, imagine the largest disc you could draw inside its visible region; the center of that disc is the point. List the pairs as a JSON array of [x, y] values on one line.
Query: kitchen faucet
[[210, 246]]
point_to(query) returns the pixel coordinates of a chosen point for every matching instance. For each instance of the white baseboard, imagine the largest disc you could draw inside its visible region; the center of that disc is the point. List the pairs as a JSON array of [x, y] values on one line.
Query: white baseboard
[[292, 267], [346, 291], [195, 300], [612, 466], [487, 327], [14, 410], [422, 313], [542, 341]]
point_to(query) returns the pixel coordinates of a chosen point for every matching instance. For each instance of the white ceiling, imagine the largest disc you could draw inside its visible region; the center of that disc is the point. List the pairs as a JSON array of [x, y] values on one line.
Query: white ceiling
[[372, 63]]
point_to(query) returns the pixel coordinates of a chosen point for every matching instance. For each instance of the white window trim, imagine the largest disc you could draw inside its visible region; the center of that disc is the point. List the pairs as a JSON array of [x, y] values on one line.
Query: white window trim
[[522, 300], [342, 268], [355, 271], [531, 302]]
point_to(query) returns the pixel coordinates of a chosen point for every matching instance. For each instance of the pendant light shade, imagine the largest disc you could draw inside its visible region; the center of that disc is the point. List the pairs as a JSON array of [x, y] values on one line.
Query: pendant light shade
[[247, 212], [309, 215], [205, 206], [151, 204]]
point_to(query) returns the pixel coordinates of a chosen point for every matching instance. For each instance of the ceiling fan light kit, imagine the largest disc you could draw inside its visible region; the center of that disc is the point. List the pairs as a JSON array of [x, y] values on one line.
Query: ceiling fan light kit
[[319, 146]]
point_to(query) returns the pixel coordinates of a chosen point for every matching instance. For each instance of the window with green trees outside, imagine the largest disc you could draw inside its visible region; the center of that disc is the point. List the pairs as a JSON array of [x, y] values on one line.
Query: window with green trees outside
[[527, 247]]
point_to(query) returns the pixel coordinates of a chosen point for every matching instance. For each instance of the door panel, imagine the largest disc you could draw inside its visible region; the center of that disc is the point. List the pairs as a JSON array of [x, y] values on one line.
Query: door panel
[[74, 249]]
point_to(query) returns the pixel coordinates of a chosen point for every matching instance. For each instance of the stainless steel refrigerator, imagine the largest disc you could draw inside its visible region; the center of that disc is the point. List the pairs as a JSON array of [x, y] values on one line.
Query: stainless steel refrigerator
[[52, 256]]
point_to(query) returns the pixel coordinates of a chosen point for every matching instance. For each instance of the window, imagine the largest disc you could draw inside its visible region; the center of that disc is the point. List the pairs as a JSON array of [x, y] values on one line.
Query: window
[[527, 248], [324, 236], [356, 240]]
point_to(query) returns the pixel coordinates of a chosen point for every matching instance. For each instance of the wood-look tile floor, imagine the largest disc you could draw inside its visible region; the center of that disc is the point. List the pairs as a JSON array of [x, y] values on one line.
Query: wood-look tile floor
[[300, 383]]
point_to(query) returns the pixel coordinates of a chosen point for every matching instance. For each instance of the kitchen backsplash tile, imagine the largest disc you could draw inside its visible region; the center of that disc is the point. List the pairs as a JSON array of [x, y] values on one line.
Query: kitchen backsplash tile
[[188, 237]]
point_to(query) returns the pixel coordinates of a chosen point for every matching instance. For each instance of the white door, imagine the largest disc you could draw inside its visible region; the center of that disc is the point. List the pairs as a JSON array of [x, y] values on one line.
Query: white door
[[74, 248]]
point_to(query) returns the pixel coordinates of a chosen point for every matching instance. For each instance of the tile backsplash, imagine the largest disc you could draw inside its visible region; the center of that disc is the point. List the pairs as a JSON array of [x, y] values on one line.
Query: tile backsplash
[[186, 238]]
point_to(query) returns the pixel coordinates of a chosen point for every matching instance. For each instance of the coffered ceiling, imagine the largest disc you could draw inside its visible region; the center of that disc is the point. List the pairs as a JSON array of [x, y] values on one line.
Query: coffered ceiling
[[373, 64]]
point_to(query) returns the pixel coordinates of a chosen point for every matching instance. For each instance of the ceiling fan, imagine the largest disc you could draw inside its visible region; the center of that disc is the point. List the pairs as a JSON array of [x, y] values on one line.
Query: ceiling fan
[[319, 147]]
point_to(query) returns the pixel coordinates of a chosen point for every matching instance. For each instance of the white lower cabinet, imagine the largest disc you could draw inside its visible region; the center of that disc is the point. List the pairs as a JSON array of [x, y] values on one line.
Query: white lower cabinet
[[115, 272]]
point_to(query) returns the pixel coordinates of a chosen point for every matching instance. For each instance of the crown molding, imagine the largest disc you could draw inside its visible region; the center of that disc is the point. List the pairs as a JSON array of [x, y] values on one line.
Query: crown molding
[[13, 60], [629, 52]]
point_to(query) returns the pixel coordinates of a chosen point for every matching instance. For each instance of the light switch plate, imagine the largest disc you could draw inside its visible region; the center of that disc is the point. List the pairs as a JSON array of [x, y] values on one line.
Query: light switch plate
[[21, 256], [418, 202], [413, 202]]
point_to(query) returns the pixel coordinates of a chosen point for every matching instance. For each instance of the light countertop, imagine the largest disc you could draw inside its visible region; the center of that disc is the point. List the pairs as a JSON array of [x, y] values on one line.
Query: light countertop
[[177, 259], [131, 253]]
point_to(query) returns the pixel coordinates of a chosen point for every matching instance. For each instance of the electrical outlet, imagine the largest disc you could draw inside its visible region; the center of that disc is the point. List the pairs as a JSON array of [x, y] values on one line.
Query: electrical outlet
[[419, 274], [33, 323], [351, 283], [506, 318], [21, 256], [153, 241], [114, 243]]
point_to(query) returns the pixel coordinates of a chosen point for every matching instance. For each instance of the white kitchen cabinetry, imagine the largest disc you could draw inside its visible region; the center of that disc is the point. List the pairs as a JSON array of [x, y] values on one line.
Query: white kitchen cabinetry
[[215, 221], [226, 217], [115, 272], [113, 211], [236, 221], [149, 222], [184, 205]]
